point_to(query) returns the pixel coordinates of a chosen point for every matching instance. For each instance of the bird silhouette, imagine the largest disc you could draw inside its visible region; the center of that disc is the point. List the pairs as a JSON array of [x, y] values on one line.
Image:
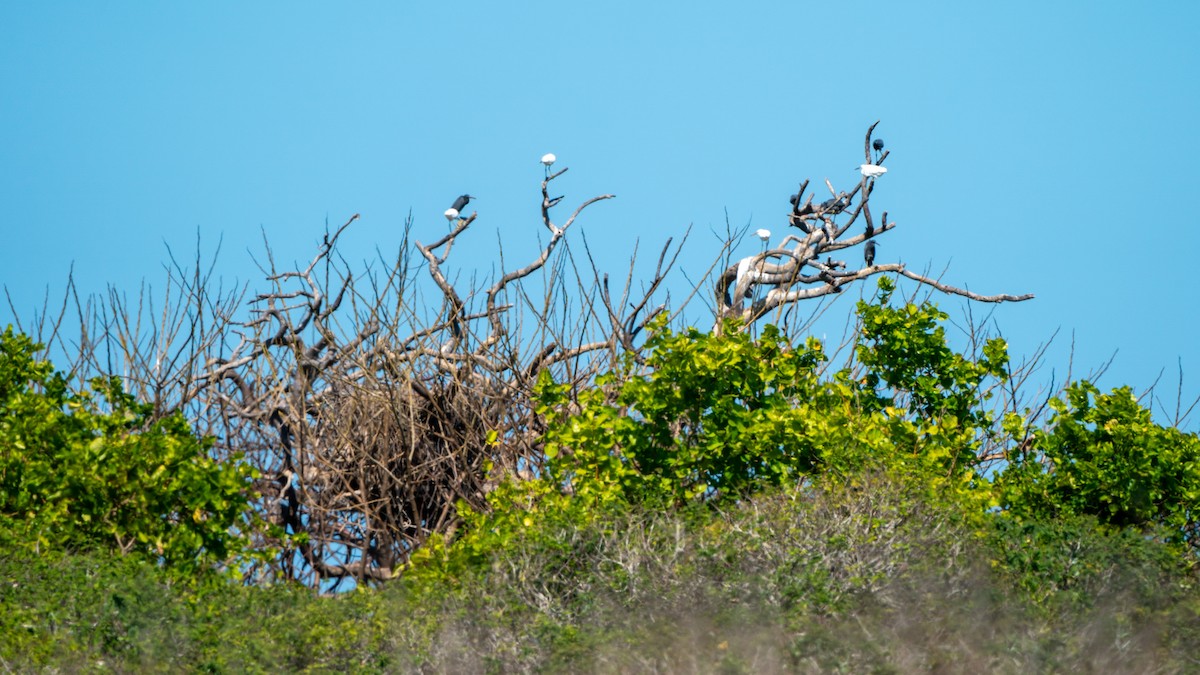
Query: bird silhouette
[[869, 253], [461, 203], [836, 205]]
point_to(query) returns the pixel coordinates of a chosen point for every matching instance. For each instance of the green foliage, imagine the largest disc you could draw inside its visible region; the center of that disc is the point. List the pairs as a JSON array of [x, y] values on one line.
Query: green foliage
[[869, 575], [713, 416], [1103, 456], [96, 469], [98, 611], [708, 420], [904, 350], [1067, 563]]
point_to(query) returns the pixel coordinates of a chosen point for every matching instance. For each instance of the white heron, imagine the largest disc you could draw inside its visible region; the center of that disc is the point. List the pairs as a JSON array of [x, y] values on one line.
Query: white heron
[[872, 170], [548, 159], [763, 234]]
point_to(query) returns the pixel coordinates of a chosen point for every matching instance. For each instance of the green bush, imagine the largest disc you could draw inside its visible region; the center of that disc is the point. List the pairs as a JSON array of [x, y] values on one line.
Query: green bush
[[100, 611], [870, 575], [97, 470], [1102, 456], [717, 416]]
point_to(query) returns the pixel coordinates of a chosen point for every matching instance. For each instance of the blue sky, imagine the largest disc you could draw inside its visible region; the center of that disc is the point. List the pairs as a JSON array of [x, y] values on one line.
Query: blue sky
[[1036, 147]]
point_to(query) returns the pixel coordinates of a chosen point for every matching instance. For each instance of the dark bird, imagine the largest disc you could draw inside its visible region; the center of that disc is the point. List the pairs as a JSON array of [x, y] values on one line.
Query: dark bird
[[836, 205], [797, 221], [869, 253], [797, 207], [461, 203], [878, 145]]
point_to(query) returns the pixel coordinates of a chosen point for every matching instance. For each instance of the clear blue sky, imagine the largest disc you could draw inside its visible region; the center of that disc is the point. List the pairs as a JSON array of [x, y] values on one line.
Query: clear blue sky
[[1036, 147]]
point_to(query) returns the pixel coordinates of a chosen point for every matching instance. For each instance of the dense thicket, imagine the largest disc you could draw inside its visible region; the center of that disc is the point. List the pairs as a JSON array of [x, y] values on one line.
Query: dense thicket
[[564, 477], [859, 578], [726, 503]]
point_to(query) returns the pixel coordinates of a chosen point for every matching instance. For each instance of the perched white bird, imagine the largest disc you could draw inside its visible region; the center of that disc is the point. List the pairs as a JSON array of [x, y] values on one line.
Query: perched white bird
[[872, 170], [548, 159], [451, 214], [763, 234]]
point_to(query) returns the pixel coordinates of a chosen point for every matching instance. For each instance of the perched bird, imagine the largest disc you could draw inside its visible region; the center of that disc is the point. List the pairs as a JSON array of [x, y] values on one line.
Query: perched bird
[[461, 203], [451, 214], [548, 159], [869, 253], [797, 207], [836, 205], [877, 144], [872, 170], [763, 234]]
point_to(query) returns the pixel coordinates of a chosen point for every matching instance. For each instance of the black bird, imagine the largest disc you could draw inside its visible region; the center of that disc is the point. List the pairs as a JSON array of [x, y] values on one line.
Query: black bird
[[836, 205], [878, 145], [797, 207], [461, 203], [869, 253]]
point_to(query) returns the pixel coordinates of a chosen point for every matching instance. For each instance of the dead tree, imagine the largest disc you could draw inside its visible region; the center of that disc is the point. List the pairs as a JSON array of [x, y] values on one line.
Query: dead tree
[[371, 420], [793, 270]]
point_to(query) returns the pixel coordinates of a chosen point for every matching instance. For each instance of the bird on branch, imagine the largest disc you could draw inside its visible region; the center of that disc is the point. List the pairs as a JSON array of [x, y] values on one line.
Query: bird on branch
[[835, 205]]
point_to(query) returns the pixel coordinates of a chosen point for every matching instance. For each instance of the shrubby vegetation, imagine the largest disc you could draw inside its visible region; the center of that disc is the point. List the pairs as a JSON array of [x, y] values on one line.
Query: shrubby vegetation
[[855, 578], [96, 470], [713, 502]]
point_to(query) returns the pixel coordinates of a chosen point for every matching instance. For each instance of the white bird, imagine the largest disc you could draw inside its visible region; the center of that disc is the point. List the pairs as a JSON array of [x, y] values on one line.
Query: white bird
[[451, 214], [763, 234], [548, 159], [872, 170]]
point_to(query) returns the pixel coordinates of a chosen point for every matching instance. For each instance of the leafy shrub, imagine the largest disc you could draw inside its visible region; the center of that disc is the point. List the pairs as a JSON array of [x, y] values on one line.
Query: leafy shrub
[[1102, 456], [910, 367], [95, 469]]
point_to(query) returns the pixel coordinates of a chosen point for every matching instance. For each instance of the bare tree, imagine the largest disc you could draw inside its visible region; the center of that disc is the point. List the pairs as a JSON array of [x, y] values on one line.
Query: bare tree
[[793, 271], [371, 420]]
